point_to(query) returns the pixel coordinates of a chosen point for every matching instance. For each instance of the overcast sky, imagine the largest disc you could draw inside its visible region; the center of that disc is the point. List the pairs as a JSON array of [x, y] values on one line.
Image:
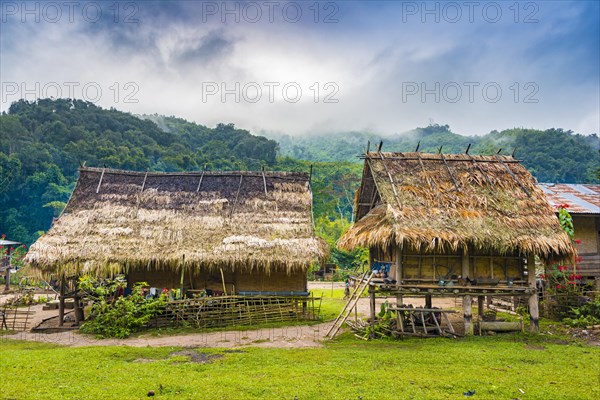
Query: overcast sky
[[306, 67]]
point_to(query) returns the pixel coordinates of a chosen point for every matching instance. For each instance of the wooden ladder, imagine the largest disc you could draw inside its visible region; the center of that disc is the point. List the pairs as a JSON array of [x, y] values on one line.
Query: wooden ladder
[[343, 316]]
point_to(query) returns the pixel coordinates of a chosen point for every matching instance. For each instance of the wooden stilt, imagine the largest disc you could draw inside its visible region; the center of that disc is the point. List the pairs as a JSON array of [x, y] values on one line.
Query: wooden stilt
[[61, 302], [468, 314], [76, 309], [534, 313], [480, 306], [372, 298], [399, 300], [467, 306]]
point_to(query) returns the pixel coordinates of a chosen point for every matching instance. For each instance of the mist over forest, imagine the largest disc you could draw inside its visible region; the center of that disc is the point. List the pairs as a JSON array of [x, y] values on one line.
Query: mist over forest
[[43, 143]]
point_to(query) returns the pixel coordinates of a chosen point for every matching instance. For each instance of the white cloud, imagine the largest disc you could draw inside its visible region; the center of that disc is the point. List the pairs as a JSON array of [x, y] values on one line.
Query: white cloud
[[369, 56]]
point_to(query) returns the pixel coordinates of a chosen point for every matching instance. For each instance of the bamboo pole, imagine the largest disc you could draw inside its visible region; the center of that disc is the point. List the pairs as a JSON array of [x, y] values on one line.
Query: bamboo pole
[[223, 281], [467, 306], [61, 302]]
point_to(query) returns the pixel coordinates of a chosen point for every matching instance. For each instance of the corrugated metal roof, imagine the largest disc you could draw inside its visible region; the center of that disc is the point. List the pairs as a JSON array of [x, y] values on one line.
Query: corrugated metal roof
[[581, 198]]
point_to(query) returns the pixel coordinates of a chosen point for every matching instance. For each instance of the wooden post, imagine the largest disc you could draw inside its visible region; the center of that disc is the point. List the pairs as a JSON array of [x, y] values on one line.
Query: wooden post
[[428, 301], [467, 306], [468, 314], [399, 274], [480, 305], [534, 312], [372, 298], [7, 266], [61, 302], [76, 308], [399, 300]]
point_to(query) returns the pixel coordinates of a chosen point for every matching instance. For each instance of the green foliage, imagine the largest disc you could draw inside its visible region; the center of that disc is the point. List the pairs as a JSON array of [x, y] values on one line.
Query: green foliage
[[566, 221], [585, 315], [117, 316], [43, 142], [523, 312], [552, 155]]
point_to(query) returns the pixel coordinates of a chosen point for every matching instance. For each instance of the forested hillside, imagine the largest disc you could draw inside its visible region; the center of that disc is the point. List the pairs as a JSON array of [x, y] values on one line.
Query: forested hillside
[[43, 143], [552, 155]]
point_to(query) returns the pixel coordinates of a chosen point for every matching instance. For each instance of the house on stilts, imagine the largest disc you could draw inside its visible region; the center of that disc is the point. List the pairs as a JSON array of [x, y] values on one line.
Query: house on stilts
[[454, 225], [244, 233]]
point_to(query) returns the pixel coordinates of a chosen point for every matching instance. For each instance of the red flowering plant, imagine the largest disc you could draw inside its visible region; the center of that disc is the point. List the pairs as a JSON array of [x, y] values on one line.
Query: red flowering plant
[[564, 284]]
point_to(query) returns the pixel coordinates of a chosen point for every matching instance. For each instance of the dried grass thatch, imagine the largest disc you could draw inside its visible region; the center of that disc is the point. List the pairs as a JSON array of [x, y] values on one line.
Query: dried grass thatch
[[117, 220], [454, 202]]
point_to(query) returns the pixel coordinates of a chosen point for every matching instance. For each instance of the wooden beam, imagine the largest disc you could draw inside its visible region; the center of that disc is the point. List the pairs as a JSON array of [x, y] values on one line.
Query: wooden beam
[[390, 178], [144, 183], [429, 183], [265, 179], [487, 179], [100, 182], [450, 173], [200, 183], [237, 195], [512, 174], [440, 160]]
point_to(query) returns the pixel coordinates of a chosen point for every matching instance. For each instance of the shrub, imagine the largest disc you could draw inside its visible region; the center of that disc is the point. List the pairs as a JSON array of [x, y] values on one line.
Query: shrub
[[585, 315], [117, 316]]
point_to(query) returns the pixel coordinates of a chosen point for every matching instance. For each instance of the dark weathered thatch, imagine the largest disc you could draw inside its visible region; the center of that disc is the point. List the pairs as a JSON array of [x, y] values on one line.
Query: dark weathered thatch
[[117, 220], [438, 202]]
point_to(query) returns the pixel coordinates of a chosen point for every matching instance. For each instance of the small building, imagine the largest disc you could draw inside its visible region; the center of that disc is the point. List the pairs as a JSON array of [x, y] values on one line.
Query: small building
[[6, 247], [234, 232], [583, 202], [454, 224]]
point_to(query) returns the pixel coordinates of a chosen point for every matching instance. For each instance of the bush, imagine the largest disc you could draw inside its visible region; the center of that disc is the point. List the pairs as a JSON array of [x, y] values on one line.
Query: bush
[[118, 317], [585, 315]]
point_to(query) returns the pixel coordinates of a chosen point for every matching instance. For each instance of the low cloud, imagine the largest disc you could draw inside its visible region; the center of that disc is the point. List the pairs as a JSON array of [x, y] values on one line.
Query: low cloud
[[377, 68]]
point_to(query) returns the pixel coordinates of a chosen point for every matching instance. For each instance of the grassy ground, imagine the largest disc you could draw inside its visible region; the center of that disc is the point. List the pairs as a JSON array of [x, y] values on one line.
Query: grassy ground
[[495, 367]]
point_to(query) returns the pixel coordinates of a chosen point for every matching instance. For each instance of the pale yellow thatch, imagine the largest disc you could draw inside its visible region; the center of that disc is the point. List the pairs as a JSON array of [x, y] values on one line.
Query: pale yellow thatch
[[236, 220], [438, 202]]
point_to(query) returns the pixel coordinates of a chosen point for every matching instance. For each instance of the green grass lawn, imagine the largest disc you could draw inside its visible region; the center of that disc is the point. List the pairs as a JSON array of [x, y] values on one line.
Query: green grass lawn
[[348, 368]]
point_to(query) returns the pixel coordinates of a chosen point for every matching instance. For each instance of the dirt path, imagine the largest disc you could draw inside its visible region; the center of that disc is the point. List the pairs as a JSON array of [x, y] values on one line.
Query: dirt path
[[285, 337]]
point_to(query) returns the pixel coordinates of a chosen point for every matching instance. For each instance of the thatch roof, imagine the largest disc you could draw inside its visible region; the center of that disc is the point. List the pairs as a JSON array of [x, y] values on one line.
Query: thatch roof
[[238, 220], [454, 202]]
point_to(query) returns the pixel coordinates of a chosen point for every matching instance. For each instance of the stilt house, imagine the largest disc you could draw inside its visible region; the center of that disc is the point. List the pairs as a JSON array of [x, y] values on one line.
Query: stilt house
[[454, 224]]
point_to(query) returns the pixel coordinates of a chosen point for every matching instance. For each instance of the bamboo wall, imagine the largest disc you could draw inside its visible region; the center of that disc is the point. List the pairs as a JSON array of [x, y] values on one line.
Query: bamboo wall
[[421, 266], [587, 230], [254, 281]]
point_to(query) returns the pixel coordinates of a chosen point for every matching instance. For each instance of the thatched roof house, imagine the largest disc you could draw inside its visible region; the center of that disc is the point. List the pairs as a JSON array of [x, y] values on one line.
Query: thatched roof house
[[468, 225], [453, 201], [160, 226]]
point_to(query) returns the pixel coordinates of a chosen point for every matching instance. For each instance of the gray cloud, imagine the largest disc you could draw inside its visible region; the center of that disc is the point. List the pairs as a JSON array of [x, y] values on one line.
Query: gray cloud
[[367, 58]]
